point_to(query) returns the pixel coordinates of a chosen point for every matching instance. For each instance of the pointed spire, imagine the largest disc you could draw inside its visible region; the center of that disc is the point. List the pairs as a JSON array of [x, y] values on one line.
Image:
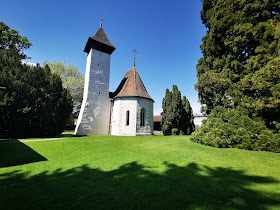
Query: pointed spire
[[134, 51], [101, 14]]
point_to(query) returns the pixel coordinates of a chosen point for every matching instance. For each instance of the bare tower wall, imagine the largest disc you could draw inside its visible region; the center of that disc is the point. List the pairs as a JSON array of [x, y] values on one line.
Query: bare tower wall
[[95, 111]]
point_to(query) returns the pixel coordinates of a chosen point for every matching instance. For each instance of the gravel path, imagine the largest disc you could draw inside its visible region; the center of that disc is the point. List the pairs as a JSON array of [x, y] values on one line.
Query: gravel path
[[45, 139], [15, 141]]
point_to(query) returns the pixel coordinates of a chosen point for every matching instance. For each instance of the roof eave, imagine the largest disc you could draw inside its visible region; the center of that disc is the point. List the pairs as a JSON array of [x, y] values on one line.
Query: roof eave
[[134, 97], [93, 44]]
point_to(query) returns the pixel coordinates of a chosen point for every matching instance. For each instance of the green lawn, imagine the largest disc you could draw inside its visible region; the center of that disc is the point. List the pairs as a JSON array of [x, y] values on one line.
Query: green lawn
[[154, 172]]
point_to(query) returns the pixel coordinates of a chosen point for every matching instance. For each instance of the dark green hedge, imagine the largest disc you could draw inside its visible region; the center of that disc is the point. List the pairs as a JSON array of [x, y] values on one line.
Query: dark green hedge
[[231, 128], [34, 103]]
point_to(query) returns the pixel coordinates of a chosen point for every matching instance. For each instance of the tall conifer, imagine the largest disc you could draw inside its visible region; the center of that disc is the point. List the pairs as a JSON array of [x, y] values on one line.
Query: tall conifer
[[177, 117], [166, 120], [240, 67], [177, 108], [189, 126]]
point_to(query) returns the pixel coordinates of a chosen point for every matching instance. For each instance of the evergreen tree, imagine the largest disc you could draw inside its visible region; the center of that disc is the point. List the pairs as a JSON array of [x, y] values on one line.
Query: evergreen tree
[[240, 67], [165, 120], [177, 116], [73, 81], [231, 128], [176, 110], [34, 103], [189, 128]]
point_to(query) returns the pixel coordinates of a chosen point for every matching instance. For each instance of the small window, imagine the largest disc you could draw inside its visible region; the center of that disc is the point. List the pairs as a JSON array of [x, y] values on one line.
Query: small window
[[127, 118], [100, 55], [98, 64], [99, 93], [142, 118]]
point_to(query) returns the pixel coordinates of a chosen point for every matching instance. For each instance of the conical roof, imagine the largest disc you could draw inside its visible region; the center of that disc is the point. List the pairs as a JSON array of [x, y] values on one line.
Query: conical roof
[[131, 86], [99, 42], [100, 36]]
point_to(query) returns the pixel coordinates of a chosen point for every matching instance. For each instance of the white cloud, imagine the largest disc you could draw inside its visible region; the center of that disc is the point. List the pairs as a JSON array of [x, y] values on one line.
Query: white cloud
[[29, 64]]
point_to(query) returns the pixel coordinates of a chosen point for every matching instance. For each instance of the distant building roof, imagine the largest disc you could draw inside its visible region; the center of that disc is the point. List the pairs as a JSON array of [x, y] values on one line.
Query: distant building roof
[[99, 42], [130, 86], [157, 118]]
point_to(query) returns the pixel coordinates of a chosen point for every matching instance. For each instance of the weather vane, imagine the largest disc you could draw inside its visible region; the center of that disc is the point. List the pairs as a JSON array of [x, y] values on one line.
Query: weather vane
[[101, 14], [134, 52]]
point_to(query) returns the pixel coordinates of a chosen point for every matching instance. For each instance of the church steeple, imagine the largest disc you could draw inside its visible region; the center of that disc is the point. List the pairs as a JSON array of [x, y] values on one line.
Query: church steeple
[[94, 117], [99, 42]]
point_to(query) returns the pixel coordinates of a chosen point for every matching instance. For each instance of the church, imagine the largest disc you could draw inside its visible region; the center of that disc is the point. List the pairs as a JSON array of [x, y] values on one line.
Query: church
[[128, 111]]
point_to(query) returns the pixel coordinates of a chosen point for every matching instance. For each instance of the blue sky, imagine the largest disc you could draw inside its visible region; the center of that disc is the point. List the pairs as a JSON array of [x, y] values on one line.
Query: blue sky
[[167, 35]]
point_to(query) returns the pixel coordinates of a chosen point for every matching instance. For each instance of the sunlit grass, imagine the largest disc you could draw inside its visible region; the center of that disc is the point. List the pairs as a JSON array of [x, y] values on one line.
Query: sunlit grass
[[138, 172]]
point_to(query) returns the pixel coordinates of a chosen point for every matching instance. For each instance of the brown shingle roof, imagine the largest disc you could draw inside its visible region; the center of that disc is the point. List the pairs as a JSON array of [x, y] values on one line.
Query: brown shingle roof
[[130, 86], [100, 36], [99, 42], [157, 118]]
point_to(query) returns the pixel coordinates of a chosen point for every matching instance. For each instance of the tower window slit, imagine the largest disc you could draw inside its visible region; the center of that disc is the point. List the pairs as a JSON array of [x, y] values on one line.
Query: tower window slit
[[127, 118], [142, 118]]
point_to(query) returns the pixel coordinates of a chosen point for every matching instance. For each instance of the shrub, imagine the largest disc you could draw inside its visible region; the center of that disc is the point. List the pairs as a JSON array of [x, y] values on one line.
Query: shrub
[[34, 103], [232, 128]]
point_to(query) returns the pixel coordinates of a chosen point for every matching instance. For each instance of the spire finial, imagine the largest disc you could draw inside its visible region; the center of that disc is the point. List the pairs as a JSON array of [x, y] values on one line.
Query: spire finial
[[134, 51], [101, 13]]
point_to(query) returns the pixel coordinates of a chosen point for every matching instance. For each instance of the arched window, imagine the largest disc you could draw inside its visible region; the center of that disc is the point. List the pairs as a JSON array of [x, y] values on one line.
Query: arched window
[[142, 118], [127, 118]]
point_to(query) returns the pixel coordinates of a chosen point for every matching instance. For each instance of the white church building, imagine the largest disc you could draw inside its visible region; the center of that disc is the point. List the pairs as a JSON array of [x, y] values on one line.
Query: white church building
[[126, 112]]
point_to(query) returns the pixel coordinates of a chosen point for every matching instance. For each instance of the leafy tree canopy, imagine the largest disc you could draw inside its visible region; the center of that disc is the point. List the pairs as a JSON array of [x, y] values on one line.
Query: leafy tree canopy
[[10, 39], [240, 67], [71, 78]]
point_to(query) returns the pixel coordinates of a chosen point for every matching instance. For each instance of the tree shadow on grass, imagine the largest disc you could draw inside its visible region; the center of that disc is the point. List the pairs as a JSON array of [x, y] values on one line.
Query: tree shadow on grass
[[14, 152], [134, 186]]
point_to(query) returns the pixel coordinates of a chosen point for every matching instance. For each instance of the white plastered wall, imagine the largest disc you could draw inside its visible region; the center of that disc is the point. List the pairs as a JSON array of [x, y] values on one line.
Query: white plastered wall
[[94, 115], [118, 119], [134, 105], [148, 128]]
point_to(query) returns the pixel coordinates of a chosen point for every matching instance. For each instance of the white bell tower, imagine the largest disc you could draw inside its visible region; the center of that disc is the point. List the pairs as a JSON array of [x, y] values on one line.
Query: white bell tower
[[94, 117]]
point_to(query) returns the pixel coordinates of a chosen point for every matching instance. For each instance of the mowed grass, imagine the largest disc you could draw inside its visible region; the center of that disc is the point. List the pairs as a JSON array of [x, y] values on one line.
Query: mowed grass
[[156, 172]]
